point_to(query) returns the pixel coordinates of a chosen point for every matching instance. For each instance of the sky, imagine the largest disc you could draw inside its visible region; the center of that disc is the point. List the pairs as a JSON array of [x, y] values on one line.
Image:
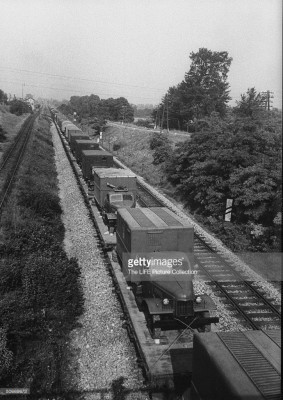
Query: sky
[[135, 48]]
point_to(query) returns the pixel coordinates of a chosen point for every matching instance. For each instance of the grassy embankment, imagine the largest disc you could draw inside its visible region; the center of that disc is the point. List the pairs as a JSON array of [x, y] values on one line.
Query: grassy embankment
[[135, 152], [40, 294], [10, 125]]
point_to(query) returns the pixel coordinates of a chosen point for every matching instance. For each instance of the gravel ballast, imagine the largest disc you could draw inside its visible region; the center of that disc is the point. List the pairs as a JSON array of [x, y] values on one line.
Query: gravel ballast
[[101, 356]]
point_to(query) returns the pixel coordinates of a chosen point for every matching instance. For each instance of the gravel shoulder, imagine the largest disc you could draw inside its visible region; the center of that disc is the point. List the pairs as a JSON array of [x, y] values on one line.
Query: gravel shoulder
[[100, 355]]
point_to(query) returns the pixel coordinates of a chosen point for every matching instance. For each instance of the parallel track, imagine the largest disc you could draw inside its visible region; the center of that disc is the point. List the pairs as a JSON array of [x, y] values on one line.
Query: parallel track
[[236, 289], [13, 158]]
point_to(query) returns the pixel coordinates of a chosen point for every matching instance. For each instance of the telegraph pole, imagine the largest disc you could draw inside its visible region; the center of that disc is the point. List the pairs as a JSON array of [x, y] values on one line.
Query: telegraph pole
[[167, 114], [269, 102], [268, 95], [161, 127], [157, 112]]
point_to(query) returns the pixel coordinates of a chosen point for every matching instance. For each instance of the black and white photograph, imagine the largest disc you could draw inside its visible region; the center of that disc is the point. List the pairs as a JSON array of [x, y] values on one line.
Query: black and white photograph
[[140, 199]]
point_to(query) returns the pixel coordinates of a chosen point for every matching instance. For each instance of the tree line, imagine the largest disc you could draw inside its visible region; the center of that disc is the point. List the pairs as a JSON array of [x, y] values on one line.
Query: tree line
[[204, 90], [235, 157], [98, 110], [16, 106]]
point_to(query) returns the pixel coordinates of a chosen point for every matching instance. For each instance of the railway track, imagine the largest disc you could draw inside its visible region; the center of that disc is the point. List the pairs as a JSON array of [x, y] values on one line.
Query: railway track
[[245, 297], [154, 359], [13, 158], [208, 257]]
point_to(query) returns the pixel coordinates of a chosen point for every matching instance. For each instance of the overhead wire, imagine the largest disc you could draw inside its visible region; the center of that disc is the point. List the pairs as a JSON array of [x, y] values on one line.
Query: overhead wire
[[72, 90], [81, 79], [92, 80]]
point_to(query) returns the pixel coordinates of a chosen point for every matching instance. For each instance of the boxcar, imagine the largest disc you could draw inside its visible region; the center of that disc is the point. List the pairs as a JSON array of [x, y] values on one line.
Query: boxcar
[[95, 158], [80, 144], [75, 135], [153, 229], [71, 129], [155, 248]]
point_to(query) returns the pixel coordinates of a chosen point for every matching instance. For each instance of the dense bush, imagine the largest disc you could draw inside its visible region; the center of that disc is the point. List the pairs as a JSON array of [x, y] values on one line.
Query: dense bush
[[159, 139], [19, 107], [44, 203], [2, 134], [162, 154], [162, 146], [118, 145], [144, 122]]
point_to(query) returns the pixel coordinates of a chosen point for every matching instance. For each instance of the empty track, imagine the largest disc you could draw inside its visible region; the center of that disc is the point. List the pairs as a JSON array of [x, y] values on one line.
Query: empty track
[[12, 159]]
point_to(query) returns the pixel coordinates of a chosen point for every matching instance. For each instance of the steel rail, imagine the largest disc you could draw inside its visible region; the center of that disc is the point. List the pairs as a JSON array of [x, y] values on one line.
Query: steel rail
[[12, 147], [19, 152]]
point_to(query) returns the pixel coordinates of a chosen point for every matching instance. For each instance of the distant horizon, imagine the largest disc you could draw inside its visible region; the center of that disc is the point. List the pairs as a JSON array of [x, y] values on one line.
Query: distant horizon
[[136, 49], [134, 104]]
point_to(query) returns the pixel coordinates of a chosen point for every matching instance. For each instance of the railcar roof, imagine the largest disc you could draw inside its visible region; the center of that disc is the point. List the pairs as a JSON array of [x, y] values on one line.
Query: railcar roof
[[253, 357], [96, 153], [155, 217], [113, 172], [84, 141], [72, 127], [66, 122]]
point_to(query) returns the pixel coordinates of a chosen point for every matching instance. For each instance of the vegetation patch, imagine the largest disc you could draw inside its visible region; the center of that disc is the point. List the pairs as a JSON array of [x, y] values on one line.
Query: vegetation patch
[[9, 126], [238, 157], [40, 293]]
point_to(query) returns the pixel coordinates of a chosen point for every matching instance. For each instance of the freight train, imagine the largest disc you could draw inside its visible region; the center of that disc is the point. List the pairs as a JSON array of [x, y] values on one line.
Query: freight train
[[148, 235], [166, 296]]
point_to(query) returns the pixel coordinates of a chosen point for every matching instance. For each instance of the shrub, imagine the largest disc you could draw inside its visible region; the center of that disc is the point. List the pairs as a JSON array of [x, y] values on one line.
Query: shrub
[[162, 153], [2, 134], [44, 203], [19, 107], [40, 292], [144, 122], [118, 145], [158, 139], [6, 355]]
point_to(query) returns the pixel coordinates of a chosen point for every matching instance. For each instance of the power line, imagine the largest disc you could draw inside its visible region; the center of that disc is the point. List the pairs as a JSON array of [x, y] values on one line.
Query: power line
[[72, 90], [80, 79]]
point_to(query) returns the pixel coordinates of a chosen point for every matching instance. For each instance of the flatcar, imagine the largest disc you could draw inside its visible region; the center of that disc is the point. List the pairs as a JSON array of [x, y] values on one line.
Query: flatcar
[[113, 188], [167, 305], [160, 247], [236, 365]]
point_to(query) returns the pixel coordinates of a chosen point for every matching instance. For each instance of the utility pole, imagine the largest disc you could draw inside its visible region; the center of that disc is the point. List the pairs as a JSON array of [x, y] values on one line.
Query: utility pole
[[157, 112], [161, 127], [167, 114], [268, 95]]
